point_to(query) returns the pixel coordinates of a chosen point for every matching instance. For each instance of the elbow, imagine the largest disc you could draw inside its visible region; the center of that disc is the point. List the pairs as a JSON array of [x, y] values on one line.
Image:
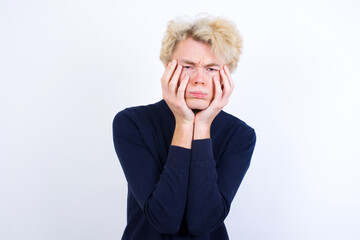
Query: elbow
[[198, 230], [167, 228], [199, 226], [202, 229], [164, 218], [163, 223]]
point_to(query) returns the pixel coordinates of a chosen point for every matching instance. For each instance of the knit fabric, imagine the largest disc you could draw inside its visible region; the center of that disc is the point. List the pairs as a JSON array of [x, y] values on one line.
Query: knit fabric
[[174, 192]]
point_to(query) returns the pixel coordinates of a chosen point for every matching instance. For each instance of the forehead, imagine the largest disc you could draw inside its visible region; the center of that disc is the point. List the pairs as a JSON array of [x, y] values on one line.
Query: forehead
[[195, 51]]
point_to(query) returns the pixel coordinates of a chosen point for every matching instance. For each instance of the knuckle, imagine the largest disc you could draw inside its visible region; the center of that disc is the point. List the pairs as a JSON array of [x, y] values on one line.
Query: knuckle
[[164, 78], [171, 84]]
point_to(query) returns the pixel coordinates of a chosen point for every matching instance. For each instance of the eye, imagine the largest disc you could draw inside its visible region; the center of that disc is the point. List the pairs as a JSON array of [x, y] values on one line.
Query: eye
[[212, 69], [187, 67]]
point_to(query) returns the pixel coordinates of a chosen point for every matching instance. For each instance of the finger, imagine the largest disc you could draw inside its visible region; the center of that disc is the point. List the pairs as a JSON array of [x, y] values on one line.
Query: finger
[[225, 76], [216, 104], [228, 73], [182, 87], [169, 70], [166, 93], [227, 88], [173, 84], [218, 90]]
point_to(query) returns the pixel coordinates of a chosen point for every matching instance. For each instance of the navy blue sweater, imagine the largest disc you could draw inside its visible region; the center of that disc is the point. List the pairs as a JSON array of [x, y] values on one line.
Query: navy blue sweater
[[174, 192]]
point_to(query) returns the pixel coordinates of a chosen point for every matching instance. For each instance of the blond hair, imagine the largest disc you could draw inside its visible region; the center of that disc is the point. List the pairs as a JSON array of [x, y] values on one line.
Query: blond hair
[[218, 32]]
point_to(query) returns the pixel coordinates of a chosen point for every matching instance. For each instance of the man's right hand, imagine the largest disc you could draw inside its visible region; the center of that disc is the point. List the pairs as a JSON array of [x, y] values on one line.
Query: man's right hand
[[175, 99], [174, 94]]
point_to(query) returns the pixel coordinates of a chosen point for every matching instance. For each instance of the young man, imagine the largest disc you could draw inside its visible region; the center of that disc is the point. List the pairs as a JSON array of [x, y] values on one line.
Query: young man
[[184, 157]]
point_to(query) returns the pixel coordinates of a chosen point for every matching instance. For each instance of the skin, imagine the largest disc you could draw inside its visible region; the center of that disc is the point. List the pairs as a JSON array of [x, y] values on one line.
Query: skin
[[190, 71]]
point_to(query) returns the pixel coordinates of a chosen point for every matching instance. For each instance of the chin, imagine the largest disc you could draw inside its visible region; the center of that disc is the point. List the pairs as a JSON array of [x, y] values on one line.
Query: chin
[[198, 104]]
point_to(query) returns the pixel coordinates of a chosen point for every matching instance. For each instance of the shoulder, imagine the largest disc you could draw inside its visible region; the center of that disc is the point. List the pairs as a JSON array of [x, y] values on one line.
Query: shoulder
[[232, 125], [233, 137], [137, 113], [138, 110]]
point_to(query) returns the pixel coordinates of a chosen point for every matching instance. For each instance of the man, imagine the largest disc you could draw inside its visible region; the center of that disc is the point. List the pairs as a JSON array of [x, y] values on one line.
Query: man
[[184, 157]]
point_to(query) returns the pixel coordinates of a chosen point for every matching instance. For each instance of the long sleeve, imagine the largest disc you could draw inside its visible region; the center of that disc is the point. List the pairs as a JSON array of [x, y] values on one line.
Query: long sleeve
[[160, 191], [212, 187]]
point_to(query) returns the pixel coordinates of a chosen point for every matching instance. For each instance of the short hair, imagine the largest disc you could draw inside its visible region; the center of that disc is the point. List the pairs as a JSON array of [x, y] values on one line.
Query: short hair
[[220, 33]]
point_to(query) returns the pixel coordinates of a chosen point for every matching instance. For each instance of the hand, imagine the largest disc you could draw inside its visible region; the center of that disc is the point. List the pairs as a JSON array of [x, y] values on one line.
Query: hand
[[174, 93], [222, 95]]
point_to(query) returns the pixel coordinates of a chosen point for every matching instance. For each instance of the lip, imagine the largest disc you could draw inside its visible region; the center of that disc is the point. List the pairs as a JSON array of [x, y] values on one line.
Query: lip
[[198, 94]]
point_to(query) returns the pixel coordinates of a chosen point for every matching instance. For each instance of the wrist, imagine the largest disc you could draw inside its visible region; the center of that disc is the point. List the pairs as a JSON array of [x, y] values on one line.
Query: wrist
[[184, 127], [201, 131], [184, 122], [183, 135]]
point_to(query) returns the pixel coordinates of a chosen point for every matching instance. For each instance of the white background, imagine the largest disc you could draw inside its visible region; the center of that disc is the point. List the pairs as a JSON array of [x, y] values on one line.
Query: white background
[[67, 67]]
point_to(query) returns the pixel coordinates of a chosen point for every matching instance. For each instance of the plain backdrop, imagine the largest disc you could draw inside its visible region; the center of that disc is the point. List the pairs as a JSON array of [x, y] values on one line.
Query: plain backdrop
[[67, 67]]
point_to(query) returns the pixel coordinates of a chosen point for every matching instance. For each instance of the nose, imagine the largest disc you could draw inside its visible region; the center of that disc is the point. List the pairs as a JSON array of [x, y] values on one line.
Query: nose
[[198, 77]]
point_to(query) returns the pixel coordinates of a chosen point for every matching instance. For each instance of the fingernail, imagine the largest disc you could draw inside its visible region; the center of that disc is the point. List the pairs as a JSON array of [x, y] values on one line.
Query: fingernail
[[173, 62]]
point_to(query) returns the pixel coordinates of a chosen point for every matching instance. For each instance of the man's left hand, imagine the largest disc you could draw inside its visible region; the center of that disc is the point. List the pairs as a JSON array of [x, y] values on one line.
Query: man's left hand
[[221, 98], [223, 90]]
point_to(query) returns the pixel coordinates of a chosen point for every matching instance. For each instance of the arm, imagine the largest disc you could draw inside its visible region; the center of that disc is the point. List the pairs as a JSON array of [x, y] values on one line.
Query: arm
[[173, 92], [212, 188], [161, 194]]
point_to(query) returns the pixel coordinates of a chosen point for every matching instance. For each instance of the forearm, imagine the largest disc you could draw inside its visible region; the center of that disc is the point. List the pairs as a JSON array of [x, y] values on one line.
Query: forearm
[[160, 192], [166, 206], [206, 208], [201, 131], [183, 135]]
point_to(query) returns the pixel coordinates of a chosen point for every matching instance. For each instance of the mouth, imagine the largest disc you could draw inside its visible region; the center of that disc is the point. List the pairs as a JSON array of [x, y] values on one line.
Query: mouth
[[198, 94]]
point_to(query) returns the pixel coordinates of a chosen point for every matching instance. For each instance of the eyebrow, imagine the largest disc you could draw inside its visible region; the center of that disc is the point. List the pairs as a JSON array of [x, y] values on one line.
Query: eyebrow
[[193, 63]]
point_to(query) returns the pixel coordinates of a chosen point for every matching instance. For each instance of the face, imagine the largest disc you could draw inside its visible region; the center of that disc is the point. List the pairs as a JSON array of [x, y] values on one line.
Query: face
[[200, 63]]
